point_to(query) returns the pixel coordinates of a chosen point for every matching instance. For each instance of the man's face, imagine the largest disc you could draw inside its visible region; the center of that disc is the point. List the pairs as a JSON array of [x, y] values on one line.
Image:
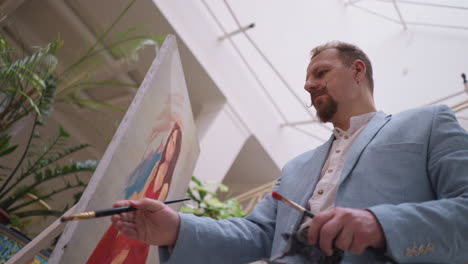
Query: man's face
[[329, 83]]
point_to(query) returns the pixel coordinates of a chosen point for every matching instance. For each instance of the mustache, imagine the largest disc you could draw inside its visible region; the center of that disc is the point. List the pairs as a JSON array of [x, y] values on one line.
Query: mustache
[[318, 92], [314, 94]]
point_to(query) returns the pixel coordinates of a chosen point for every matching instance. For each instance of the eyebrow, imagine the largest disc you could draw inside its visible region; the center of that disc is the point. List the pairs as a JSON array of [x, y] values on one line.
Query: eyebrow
[[316, 69]]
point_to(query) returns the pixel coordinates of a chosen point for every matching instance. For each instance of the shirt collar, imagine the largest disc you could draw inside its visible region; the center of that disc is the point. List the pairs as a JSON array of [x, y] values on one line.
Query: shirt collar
[[355, 123]]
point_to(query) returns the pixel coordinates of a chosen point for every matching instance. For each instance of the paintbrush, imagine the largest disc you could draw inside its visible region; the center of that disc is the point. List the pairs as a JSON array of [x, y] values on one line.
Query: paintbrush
[[279, 197], [107, 212]]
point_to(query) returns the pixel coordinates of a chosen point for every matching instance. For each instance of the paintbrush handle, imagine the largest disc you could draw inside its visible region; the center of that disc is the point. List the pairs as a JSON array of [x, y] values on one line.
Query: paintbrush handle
[[308, 213], [114, 211], [107, 212], [176, 201], [125, 209]]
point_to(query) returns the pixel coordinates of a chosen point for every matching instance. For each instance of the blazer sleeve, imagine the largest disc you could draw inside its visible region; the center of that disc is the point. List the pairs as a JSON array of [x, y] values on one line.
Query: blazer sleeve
[[437, 230], [235, 240]]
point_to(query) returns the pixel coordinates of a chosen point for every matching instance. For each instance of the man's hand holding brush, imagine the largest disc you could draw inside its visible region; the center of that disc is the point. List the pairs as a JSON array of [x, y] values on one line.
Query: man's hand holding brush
[[347, 229], [154, 222]]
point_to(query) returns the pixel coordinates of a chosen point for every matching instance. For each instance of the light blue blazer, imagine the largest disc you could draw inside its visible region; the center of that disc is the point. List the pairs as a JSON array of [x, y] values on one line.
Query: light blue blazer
[[409, 169]]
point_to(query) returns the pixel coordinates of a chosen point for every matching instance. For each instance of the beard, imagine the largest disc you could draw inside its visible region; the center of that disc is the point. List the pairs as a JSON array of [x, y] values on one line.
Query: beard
[[326, 108]]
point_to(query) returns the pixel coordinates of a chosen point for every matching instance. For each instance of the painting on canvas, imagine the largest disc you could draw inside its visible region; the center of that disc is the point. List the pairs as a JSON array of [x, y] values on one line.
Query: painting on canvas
[[152, 154]]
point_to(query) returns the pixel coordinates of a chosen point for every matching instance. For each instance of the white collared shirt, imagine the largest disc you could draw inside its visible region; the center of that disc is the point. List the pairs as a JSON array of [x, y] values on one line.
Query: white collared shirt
[[324, 195]]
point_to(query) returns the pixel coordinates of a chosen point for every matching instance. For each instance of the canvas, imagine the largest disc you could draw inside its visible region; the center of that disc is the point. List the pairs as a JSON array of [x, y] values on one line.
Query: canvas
[[152, 154]]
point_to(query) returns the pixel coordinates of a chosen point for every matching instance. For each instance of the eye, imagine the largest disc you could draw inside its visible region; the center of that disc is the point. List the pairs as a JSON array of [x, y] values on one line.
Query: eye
[[321, 73]]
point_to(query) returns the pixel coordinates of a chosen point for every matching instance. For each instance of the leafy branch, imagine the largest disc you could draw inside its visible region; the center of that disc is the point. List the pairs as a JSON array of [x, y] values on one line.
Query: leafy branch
[[48, 195], [44, 106], [206, 203], [28, 90], [39, 212], [15, 79], [44, 160], [47, 175]]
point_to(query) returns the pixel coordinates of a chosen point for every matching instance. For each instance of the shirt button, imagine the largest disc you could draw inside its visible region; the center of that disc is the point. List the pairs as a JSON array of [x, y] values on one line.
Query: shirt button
[[337, 151], [409, 252], [320, 192], [421, 250], [330, 171], [429, 249], [346, 137]]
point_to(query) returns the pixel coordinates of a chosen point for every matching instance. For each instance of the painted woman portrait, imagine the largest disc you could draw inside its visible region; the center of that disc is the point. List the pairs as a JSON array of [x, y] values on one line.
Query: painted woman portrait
[[151, 178]]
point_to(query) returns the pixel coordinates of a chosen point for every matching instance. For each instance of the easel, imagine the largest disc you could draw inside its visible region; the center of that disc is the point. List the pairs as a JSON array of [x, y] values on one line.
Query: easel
[[26, 254]]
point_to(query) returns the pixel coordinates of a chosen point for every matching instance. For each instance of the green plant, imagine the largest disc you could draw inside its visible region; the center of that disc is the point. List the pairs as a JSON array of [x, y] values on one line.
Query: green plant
[[206, 203], [29, 87], [81, 75], [27, 90]]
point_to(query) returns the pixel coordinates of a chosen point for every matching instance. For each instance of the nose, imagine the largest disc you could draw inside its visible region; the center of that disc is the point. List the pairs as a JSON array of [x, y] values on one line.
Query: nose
[[310, 85]]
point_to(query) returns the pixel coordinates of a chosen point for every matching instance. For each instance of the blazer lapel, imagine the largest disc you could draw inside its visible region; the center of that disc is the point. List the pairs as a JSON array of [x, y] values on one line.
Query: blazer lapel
[[308, 177], [366, 136]]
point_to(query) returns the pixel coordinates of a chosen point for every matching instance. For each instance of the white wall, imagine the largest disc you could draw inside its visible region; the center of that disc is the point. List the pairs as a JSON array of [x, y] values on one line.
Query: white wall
[[433, 58], [411, 67]]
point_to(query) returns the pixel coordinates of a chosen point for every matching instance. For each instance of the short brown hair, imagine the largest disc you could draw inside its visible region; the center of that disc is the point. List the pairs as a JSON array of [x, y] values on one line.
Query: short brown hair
[[348, 53]]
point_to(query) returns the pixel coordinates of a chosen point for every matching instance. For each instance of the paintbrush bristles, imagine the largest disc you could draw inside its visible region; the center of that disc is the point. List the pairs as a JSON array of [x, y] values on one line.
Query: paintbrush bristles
[[278, 196]]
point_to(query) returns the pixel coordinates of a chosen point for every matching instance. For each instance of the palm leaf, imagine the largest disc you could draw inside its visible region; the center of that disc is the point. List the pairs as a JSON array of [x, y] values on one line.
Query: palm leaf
[[46, 175], [94, 104], [45, 157], [28, 64], [81, 85], [31, 101], [99, 41], [43, 212], [44, 196], [5, 145]]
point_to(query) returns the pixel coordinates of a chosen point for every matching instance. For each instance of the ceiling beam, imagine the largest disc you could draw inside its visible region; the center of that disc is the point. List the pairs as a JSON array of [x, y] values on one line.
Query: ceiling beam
[[425, 4], [87, 34], [8, 7], [400, 15]]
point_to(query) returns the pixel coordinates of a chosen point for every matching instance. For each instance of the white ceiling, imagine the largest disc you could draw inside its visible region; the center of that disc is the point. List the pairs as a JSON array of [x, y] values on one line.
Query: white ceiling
[[414, 65]]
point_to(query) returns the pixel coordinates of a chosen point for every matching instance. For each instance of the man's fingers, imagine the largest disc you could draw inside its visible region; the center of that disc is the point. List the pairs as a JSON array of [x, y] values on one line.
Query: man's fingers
[[357, 248], [317, 222], [128, 217], [344, 239], [121, 203], [128, 229], [147, 204], [129, 233], [115, 218], [128, 225], [348, 229], [120, 225], [328, 233]]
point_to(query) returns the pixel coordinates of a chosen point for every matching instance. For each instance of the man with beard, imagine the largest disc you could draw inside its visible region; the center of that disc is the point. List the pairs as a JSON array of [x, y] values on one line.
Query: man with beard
[[383, 188]]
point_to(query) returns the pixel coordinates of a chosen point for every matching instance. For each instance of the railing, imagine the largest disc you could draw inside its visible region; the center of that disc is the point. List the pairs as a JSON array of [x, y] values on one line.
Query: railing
[[251, 198]]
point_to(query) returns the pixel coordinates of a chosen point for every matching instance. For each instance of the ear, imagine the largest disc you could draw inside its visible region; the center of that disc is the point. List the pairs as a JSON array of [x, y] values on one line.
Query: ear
[[360, 70]]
